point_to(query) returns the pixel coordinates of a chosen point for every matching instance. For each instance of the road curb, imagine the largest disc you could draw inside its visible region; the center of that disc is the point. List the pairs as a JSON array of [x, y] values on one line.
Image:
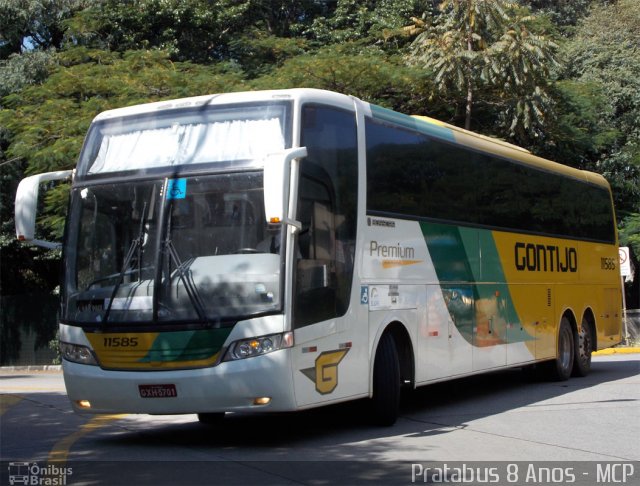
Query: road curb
[[609, 351], [32, 368]]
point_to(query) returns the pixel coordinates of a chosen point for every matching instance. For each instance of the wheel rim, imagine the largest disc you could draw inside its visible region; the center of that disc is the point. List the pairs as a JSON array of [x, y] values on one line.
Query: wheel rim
[[584, 340], [565, 349]]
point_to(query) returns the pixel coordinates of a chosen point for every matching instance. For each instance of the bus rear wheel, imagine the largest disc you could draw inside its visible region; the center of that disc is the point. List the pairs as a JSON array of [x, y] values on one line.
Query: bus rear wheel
[[583, 348], [560, 369], [385, 402]]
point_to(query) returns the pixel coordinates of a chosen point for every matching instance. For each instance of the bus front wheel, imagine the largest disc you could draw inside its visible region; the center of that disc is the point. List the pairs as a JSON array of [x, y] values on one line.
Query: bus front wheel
[[385, 402]]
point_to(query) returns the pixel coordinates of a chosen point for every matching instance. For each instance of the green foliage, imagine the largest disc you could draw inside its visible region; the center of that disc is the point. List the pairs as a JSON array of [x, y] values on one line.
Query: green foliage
[[563, 13], [629, 232], [49, 121], [194, 30], [40, 23], [605, 54], [21, 70], [623, 173], [54, 345], [26, 269], [283, 18], [363, 72], [258, 53], [519, 65], [367, 21], [492, 48], [577, 136]]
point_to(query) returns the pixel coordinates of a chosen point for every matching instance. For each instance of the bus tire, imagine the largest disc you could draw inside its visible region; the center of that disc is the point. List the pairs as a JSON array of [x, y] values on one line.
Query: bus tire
[[385, 402], [560, 369], [211, 418], [583, 347]]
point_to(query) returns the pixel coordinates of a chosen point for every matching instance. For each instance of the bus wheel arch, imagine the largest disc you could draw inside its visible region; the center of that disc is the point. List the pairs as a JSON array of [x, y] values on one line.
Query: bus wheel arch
[[405, 353], [584, 344], [393, 366]]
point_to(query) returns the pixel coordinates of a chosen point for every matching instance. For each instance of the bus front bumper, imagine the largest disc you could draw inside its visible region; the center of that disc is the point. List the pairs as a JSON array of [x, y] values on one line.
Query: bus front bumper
[[262, 383]]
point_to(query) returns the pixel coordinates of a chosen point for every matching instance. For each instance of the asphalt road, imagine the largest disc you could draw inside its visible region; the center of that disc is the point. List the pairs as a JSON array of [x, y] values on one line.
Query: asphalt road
[[497, 424]]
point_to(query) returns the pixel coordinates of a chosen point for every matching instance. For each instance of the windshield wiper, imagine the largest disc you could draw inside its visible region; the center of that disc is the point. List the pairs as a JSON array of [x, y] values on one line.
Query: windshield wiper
[[136, 244], [182, 269], [187, 281]]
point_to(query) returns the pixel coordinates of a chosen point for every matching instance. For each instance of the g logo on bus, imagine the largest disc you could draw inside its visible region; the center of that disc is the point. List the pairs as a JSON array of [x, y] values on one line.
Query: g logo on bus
[[325, 372]]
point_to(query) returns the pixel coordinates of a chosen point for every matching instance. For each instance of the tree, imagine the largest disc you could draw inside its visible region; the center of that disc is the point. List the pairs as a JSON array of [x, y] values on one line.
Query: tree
[[367, 73], [258, 52], [23, 269], [190, 30], [630, 233], [40, 24], [475, 45], [46, 123], [369, 22], [21, 70], [605, 55], [564, 13], [282, 18], [576, 136], [519, 64]]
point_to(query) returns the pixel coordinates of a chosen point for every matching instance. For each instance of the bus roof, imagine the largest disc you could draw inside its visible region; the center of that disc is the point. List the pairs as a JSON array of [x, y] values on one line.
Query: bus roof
[[295, 94], [429, 126]]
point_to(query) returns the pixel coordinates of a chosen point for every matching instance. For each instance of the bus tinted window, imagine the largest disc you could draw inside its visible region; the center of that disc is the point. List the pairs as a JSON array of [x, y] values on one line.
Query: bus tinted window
[[412, 174], [327, 208]]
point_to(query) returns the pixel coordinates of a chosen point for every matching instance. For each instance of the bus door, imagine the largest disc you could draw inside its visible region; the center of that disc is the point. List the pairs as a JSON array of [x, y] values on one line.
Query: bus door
[[327, 340]]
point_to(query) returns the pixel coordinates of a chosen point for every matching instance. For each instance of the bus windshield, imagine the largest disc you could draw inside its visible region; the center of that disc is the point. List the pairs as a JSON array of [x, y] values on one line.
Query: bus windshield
[[221, 136], [190, 249]]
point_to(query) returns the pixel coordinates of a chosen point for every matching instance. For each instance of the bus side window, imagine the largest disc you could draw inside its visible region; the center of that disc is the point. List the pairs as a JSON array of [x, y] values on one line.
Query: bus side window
[[315, 272], [327, 204]]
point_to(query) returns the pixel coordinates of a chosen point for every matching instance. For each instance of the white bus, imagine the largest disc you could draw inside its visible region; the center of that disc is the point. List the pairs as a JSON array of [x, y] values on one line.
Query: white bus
[[282, 250]]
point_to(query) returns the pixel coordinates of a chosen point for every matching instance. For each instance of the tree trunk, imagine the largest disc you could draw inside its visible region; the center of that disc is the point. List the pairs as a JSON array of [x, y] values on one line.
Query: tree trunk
[[467, 119]]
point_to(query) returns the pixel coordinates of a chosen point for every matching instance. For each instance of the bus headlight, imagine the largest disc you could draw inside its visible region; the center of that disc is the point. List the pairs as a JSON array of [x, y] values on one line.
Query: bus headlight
[[78, 354], [248, 348]]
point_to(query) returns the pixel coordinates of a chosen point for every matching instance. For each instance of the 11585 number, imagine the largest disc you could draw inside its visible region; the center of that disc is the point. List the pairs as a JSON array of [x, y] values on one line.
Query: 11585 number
[[120, 342]]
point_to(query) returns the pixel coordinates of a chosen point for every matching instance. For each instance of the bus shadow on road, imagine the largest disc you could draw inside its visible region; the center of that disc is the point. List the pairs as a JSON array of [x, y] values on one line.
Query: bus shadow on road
[[430, 410], [492, 393]]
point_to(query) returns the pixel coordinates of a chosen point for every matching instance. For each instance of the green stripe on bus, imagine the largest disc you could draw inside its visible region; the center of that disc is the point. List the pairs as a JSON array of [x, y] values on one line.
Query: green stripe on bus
[[411, 123], [467, 282], [186, 345]]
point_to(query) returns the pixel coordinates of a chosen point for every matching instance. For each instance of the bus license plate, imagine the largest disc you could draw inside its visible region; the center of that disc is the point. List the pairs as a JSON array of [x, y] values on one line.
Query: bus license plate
[[158, 391]]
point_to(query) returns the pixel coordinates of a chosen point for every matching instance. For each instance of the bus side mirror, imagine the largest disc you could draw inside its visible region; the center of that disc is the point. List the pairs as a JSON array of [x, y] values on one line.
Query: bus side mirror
[[277, 177], [26, 206]]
